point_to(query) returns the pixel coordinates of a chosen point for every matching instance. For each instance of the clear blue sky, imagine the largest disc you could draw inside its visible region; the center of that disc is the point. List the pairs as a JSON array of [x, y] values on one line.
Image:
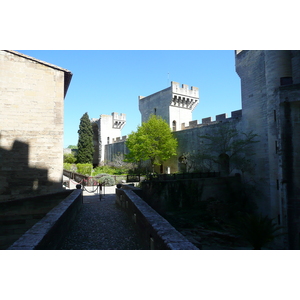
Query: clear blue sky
[[106, 81]]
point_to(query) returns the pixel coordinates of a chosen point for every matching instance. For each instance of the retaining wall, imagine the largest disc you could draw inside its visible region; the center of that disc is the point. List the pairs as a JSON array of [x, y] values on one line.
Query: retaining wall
[[49, 232], [166, 195], [155, 232], [17, 216]]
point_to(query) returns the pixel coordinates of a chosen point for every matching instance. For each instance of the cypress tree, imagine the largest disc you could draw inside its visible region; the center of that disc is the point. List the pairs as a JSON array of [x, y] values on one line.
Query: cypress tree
[[85, 141]]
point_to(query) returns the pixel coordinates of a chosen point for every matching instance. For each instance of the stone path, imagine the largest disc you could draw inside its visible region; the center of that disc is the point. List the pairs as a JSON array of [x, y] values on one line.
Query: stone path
[[101, 225]]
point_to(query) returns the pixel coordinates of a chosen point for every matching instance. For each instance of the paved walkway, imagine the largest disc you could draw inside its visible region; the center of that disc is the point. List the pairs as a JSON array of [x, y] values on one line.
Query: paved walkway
[[101, 225]]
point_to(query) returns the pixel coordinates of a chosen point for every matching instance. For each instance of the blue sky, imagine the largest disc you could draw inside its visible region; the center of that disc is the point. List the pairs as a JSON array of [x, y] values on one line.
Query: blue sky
[[106, 81]]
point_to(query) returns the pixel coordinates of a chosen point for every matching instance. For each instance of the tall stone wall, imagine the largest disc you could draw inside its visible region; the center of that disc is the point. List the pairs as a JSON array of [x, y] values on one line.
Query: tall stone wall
[[31, 125], [289, 149], [188, 138], [270, 103], [115, 149], [156, 104], [250, 66]]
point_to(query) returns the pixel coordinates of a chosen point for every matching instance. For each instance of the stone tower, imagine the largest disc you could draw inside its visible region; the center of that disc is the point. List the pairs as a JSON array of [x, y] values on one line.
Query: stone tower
[[106, 129], [270, 82], [174, 104]]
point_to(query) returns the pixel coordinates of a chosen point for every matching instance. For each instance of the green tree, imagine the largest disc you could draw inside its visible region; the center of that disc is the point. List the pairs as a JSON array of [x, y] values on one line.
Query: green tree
[[72, 147], [152, 141], [85, 141]]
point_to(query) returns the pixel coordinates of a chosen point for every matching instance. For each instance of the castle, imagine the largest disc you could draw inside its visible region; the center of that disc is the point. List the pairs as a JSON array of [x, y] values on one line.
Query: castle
[[31, 155], [174, 104], [270, 86]]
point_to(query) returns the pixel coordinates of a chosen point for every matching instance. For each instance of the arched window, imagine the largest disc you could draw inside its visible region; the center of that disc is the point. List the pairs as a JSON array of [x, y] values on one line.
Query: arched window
[[224, 164], [174, 125], [154, 111]]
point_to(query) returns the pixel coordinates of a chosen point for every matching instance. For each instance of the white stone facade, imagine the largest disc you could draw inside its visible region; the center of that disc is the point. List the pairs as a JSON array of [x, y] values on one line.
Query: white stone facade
[[107, 130], [174, 104]]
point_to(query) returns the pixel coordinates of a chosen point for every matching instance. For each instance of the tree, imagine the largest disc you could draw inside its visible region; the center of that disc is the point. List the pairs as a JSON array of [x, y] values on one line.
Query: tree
[[227, 148], [72, 147], [153, 141], [85, 141]]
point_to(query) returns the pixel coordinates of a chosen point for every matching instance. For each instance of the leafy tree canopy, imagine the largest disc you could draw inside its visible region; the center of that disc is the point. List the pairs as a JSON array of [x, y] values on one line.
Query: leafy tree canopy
[[85, 140], [153, 140]]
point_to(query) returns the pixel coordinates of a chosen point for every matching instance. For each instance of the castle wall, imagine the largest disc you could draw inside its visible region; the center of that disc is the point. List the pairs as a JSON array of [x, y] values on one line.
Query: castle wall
[[289, 149], [156, 104], [115, 148], [31, 126], [188, 139], [250, 66], [270, 102]]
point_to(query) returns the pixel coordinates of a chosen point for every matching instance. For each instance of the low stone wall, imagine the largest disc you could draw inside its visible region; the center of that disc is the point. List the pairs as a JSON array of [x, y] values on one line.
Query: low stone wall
[[166, 195], [155, 232], [17, 216], [49, 232]]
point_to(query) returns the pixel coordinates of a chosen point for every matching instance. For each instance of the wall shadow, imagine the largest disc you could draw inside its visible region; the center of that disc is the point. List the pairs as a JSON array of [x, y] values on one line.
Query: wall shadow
[[17, 179]]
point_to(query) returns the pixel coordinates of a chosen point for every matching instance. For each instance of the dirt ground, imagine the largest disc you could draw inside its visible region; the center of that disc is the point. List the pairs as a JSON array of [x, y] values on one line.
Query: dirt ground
[[205, 232]]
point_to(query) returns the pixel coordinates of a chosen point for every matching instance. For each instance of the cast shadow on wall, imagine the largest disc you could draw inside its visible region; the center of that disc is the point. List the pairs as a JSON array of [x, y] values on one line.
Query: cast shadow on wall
[[17, 178]]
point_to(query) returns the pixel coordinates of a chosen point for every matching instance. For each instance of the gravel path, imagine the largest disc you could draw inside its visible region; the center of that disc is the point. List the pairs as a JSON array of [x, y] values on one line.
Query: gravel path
[[101, 225]]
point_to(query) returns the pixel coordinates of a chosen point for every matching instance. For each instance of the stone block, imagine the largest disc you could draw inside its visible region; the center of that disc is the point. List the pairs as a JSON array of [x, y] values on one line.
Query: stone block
[[206, 120], [221, 117]]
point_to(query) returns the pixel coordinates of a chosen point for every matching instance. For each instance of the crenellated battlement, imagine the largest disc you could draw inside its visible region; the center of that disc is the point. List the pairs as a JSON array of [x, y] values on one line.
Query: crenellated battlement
[[183, 97], [237, 114], [120, 139], [118, 120], [184, 90], [118, 116]]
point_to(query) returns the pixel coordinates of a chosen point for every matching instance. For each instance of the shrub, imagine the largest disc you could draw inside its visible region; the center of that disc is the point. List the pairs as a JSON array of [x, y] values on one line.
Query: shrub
[[84, 169], [67, 166], [257, 230], [69, 158], [102, 170], [109, 170], [70, 167], [107, 180]]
